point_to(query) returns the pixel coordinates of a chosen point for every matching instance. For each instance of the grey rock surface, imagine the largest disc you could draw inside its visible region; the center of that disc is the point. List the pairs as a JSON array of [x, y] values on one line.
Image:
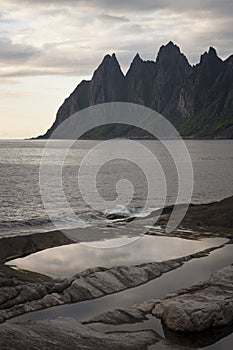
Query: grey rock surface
[[69, 334], [19, 246], [165, 345], [207, 304], [19, 297], [201, 307]]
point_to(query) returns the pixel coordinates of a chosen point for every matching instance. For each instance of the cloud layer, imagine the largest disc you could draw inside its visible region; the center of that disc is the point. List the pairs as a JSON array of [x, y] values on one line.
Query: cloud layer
[[48, 46], [68, 37]]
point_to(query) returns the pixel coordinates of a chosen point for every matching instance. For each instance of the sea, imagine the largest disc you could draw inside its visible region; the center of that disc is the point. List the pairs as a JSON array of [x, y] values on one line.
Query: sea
[[22, 210]]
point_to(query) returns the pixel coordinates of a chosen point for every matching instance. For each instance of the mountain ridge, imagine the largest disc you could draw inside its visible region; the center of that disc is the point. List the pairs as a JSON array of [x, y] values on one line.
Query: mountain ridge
[[197, 100]]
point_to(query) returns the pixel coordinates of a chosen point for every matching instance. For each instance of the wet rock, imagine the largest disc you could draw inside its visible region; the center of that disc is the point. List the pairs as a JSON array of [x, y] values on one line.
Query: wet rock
[[118, 317], [201, 220], [204, 339], [19, 246], [116, 216], [69, 334], [165, 345], [205, 305], [134, 314]]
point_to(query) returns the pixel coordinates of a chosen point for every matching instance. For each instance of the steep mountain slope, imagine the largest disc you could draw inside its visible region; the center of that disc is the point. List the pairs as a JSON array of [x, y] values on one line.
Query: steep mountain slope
[[197, 100]]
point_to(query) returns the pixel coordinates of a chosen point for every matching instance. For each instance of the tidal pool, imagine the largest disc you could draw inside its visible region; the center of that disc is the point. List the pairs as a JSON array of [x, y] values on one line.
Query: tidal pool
[[68, 260], [190, 273]]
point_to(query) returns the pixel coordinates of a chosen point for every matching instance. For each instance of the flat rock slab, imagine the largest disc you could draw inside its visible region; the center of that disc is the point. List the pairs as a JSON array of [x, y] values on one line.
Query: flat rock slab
[[69, 334], [212, 219], [205, 305]]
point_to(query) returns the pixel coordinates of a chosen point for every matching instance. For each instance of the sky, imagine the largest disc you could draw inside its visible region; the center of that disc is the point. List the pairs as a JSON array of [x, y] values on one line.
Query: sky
[[48, 47]]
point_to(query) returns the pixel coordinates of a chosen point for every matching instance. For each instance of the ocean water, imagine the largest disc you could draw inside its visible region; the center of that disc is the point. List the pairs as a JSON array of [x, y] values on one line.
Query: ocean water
[[21, 207]]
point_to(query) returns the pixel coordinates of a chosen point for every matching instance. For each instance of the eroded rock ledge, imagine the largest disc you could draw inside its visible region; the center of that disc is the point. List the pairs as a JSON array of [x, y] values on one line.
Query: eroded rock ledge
[[205, 305], [20, 246], [69, 334], [18, 297], [201, 220]]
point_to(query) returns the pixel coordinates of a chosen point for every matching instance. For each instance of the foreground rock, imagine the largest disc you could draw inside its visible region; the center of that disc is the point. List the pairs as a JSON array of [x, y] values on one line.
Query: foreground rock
[[202, 220], [208, 304], [18, 297], [69, 334], [19, 246], [203, 306]]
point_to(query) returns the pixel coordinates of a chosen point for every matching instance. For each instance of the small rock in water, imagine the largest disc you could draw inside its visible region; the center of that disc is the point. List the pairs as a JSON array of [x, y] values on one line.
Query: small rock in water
[[116, 216]]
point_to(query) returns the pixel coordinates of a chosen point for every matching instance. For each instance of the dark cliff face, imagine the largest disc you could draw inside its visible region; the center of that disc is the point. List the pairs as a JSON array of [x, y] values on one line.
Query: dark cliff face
[[197, 100], [139, 81], [172, 71], [102, 88]]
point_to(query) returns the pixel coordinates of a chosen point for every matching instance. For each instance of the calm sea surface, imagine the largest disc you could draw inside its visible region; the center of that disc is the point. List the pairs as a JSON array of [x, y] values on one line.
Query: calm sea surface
[[21, 207]]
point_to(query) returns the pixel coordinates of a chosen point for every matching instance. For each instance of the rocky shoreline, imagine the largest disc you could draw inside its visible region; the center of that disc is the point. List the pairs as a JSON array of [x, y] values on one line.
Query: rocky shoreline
[[201, 220], [68, 333], [18, 297], [204, 306], [213, 298]]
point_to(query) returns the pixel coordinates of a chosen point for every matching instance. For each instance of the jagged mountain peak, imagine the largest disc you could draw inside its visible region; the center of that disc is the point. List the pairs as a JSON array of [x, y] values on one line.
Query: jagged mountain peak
[[170, 55], [210, 57], [135, 63], [137, 58], [171, 45], [212, 51], [139, 65], [110, 59], [168, 49], [109, 64]]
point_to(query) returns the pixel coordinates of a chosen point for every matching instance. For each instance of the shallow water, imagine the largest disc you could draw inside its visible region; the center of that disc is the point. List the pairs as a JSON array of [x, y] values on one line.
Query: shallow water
[[68, 260], [191, 273]]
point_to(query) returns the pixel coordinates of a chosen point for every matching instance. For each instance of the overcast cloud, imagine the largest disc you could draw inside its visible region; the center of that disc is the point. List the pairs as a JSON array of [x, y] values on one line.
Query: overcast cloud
[[71, 36], [63, 41]]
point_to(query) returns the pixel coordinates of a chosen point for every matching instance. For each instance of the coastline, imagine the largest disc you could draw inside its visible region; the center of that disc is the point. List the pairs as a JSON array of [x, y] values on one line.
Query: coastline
[[25, 291], [214, 219]]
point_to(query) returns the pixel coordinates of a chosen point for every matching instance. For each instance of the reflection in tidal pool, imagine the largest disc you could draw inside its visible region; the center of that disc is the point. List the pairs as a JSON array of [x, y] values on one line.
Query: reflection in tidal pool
[[142, 250], [68, 260], [190, 273]]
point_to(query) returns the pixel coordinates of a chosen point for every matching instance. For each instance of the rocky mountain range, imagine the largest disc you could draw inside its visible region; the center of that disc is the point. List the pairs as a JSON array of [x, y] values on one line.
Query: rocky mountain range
[[197, 100]]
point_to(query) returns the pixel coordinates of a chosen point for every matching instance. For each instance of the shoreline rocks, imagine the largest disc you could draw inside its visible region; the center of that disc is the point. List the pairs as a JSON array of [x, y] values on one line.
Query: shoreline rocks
[[201, 220], [18, 297], [20, 246], [69, 334], [205, 305], [195, 309], [201, 307]]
